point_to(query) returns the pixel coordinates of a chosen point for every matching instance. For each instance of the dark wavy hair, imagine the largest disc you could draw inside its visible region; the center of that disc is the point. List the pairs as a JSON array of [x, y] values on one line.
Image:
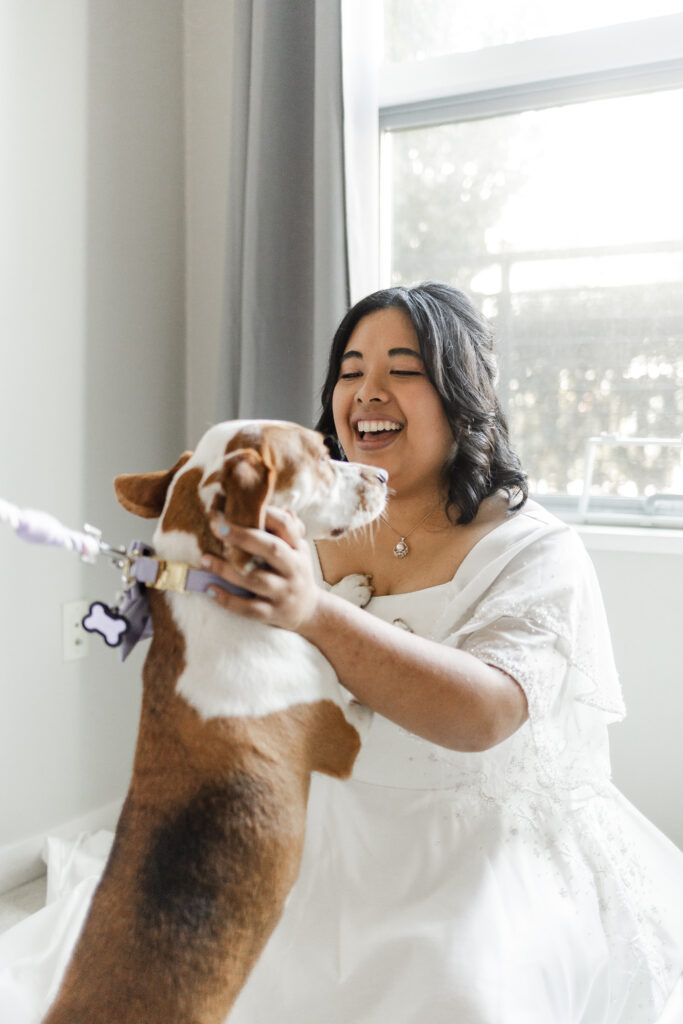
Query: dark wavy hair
[[456, 345]]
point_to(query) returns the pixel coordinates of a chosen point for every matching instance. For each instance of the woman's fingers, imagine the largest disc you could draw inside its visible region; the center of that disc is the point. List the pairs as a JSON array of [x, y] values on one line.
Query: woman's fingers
[[223, 568], [249, 608], [285, 532], [285, 524], [277, 569], [262, 584]]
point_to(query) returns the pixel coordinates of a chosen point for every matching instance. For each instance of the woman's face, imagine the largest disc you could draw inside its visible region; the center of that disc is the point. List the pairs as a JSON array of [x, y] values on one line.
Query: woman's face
[[386, 411]]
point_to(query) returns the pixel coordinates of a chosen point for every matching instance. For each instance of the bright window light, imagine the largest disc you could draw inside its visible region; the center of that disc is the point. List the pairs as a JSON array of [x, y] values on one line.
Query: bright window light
[[418, 29], [565, 225]]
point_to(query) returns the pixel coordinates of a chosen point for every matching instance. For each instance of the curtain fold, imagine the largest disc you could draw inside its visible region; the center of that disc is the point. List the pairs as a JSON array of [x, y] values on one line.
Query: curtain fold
[[286, 266]]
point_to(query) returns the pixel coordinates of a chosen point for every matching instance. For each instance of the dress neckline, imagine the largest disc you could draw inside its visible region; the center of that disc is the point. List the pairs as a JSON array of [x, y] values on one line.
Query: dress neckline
[[530, 510]]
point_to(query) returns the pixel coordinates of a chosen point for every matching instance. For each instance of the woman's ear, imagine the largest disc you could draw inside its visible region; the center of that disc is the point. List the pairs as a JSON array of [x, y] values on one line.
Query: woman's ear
[[144, 494]]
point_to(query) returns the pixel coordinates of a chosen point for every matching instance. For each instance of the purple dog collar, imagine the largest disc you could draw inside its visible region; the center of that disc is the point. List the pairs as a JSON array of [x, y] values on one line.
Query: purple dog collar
[[125, 625], [178, 577]]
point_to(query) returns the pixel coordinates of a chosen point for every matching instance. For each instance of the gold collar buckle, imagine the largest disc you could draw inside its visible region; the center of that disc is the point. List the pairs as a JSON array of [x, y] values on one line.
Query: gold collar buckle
[[172, 576]]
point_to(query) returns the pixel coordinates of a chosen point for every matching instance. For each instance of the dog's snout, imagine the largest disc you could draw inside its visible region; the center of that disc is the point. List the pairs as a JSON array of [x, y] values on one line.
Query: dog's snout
[[373, 475]]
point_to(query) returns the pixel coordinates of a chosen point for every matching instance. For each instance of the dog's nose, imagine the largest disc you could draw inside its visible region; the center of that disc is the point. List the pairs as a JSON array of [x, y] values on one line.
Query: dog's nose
[[382, 475]]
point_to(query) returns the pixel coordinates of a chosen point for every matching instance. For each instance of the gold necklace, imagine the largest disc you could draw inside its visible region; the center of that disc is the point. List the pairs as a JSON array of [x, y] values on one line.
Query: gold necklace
[[401, 549]]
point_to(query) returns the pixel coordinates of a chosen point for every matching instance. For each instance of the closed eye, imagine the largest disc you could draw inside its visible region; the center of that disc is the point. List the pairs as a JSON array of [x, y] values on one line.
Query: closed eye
[[395, 373]]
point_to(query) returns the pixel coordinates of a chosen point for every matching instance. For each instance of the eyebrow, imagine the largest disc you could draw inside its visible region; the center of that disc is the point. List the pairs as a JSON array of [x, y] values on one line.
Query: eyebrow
[[352, 354]]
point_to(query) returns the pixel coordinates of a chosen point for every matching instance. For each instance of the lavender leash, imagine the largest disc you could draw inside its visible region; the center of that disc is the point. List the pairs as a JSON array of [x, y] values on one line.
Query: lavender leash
[[129, 621], [41, 528]]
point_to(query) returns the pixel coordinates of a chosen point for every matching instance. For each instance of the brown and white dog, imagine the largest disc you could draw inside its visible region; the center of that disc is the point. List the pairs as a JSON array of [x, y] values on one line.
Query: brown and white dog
[[235, 717]]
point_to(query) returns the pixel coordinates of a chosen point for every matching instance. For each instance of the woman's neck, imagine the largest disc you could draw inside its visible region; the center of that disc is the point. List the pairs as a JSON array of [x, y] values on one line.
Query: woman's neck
[[436, 547], [404, 511]]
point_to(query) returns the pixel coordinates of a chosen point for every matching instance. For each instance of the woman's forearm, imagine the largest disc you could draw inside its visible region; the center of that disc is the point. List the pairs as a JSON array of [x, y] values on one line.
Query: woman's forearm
[[445, 695]]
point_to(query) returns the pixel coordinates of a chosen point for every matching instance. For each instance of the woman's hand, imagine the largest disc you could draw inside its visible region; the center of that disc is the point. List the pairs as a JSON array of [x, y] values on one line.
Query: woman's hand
[[285, 588]]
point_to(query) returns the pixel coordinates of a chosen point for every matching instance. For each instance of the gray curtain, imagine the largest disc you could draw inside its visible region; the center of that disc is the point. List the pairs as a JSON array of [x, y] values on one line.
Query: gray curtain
[[287, 277]]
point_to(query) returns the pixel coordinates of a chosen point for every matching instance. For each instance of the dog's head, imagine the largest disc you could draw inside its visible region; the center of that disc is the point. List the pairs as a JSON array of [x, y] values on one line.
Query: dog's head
[[240, 467]]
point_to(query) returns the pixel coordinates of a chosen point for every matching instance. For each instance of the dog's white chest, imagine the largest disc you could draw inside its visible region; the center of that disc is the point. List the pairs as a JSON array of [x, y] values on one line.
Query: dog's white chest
[[235, 667]]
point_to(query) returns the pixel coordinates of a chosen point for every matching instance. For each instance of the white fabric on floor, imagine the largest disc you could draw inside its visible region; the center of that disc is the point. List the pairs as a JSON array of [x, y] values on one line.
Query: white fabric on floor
[[35, 952]]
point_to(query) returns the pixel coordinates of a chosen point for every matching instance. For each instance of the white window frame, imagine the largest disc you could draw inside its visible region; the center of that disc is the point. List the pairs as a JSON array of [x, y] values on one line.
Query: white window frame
[[617, 60]]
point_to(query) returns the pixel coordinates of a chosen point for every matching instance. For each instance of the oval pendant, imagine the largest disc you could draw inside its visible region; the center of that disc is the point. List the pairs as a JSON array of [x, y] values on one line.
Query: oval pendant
[[401, 549]]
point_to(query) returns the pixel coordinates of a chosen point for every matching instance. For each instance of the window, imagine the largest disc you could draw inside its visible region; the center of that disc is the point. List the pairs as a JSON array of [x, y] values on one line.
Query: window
[[415, 29], [545, 182]]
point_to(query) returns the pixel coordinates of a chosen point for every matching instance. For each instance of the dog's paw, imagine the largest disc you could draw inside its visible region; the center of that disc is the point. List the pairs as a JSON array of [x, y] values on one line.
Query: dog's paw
[[356, 588]]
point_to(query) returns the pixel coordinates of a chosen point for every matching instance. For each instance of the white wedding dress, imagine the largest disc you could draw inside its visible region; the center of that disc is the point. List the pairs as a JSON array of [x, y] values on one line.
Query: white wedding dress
[[513, 886]]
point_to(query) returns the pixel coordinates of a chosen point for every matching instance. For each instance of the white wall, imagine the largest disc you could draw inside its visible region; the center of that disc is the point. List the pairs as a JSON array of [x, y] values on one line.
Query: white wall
[[642, 592], [92, 379]]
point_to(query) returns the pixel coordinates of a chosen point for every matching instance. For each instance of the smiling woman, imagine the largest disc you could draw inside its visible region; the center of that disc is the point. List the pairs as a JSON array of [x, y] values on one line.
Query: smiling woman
[[387, 410], [479, 865], [430, 350]]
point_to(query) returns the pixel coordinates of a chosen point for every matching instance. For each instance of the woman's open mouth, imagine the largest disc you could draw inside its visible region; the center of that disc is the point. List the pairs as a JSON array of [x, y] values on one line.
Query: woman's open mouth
[[376, 433]]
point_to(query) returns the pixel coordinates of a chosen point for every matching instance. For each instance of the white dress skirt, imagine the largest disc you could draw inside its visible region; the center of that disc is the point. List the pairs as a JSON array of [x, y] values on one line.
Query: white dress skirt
[[513, 886]]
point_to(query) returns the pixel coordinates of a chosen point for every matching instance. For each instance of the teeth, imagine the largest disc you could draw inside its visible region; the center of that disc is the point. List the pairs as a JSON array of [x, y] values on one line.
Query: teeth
[[375, 426]]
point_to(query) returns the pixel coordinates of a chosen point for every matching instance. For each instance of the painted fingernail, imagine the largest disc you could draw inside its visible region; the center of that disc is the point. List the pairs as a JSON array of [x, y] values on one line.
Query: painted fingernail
[[212, 592], [223, 530]]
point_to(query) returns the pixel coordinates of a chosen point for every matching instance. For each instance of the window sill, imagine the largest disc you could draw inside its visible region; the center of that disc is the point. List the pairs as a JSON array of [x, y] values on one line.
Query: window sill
[[630, 535], [631, 539]]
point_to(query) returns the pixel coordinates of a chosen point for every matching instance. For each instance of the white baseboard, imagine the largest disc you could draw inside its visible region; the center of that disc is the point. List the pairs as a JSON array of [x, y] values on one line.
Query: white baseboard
[[23, 861]]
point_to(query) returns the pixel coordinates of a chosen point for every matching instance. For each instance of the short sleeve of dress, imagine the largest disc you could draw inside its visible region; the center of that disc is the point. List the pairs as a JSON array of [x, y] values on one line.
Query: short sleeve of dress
[[542, 621]]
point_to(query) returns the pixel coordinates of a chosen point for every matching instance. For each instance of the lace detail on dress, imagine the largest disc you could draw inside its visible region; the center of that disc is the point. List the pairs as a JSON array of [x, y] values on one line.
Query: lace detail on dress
[[564, 746], [542, 622], [627, 905]]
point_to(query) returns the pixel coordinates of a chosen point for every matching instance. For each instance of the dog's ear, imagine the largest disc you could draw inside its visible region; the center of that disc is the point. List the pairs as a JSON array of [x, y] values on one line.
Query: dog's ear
[[144, 494], [247, 482]]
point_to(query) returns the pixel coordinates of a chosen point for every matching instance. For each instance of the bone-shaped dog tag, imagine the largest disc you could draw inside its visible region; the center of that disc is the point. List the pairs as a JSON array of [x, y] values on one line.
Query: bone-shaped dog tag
[[110, 624]]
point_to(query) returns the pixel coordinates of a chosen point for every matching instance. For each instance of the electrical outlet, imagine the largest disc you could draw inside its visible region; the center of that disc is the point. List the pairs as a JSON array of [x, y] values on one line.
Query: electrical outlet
[[74, 637]]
